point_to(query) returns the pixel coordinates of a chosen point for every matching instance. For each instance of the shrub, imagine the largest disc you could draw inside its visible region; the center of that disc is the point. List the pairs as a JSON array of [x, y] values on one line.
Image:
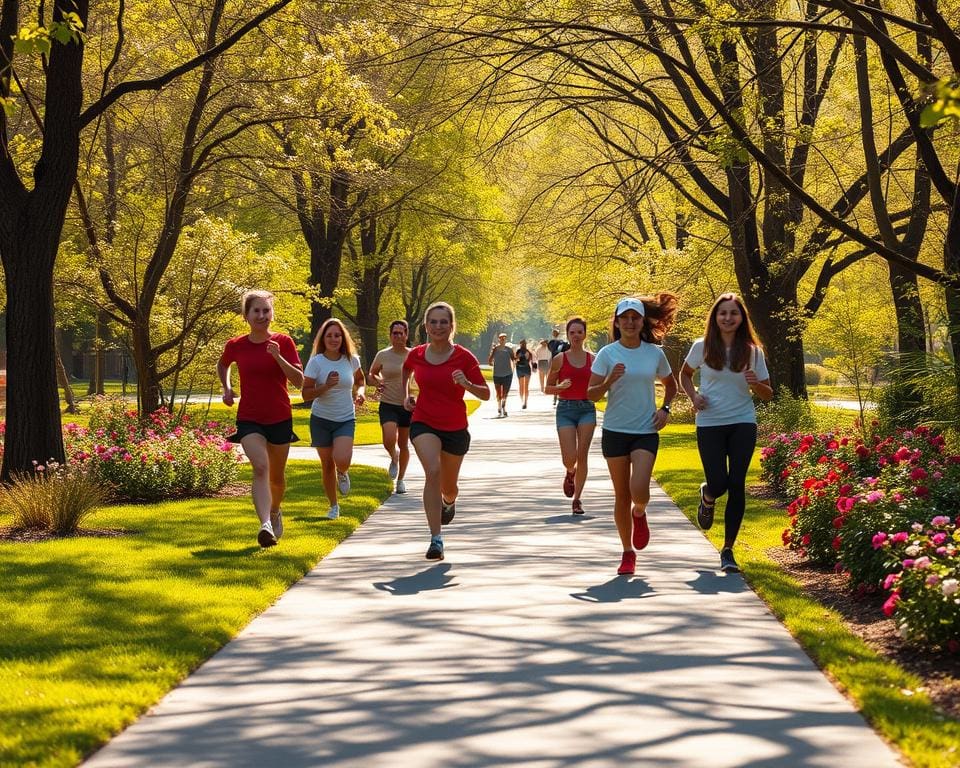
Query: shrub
[[160, 457], [785, 413], [56, 498], [924, 588]]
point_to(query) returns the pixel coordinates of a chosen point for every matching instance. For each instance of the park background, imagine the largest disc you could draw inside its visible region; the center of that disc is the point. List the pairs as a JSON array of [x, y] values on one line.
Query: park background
[[524, 161]]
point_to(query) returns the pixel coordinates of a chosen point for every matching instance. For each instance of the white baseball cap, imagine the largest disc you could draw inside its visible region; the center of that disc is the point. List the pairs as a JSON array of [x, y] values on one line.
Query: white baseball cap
[[627, 304]]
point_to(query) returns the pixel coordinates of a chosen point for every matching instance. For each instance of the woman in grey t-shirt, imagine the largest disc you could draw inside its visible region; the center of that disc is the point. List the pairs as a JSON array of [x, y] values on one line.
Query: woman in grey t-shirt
[[732, 371]]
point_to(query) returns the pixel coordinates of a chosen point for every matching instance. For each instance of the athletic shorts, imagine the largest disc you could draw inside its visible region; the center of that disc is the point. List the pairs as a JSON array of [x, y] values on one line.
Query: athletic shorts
[[394, 412], [573, 413], [503, 381], [323, 431], [614, 444], [456, 442], [280, 433]]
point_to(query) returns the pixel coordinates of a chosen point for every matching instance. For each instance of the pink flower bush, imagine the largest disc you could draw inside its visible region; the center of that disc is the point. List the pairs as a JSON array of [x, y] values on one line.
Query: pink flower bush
[[880, 511], [162, 458]]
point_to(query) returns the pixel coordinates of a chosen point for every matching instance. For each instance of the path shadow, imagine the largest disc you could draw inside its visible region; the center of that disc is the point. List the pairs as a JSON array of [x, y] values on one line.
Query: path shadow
[[435, 577], [715, 582], [618, 589], [568, 518]]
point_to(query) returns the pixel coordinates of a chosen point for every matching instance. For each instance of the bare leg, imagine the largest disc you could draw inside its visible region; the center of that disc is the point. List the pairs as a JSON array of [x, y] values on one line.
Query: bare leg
[[277, 454], [255, 449], [584, 438], [428, 451], [403, 440], [619, 467], [329, 473], [642, 462]]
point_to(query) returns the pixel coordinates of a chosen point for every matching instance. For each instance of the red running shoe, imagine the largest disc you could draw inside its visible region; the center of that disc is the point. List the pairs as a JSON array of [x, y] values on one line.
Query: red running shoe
[[641, 532], [628, 564], [568, 485]]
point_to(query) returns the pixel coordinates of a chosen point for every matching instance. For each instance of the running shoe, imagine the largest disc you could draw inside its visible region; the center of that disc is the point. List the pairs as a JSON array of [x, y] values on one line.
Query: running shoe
[[728, 563], [435, 550], [705, 511], [447, 511], [276, 522], [641, 532], [394, 468], [266, 537], [343, 482], [568, 484], [334, 512], [628, 564], [401, 486], [577, 507]]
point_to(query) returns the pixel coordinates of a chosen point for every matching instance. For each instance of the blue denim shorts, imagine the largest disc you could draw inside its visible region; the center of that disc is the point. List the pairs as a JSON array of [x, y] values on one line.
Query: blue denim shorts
[[573, 413], [323, 431]]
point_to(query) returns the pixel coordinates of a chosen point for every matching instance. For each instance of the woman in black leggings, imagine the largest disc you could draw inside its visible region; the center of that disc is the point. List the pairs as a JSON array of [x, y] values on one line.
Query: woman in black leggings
[[732, 371]]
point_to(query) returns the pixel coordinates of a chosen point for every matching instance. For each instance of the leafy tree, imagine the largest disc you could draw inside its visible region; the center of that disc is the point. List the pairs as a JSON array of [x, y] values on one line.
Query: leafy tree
[[32, 216]]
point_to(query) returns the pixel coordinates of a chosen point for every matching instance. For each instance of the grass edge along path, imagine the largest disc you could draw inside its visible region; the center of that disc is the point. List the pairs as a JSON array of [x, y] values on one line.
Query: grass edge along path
[[888, 697], [98, 629]]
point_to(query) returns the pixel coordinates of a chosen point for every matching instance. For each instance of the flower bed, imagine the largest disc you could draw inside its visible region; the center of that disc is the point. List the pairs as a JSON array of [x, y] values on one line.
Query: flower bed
[[162, 458], [873, 510]]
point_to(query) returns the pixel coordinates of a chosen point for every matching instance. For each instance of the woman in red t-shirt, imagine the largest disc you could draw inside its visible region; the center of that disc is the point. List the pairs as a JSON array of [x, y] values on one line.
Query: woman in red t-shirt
[[266, 362], [438, 429], [576, 415]]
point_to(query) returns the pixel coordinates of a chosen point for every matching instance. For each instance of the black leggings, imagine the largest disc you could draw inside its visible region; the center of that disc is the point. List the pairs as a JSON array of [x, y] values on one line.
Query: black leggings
[[733, 443]]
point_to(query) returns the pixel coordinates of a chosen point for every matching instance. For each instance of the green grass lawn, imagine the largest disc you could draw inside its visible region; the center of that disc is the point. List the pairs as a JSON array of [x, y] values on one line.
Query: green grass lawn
[[888, 697], [96, 630]]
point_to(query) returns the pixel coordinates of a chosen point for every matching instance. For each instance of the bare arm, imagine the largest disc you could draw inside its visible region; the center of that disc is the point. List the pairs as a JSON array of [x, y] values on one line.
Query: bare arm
[[553, 385], [686, 381]]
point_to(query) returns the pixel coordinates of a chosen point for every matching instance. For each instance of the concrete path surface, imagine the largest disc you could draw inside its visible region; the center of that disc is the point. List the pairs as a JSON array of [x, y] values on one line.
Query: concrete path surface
[[522, 648]]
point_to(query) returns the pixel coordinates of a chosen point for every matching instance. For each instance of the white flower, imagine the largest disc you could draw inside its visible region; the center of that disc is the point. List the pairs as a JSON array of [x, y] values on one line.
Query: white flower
[[949, 587], [917, 527], [913, 550]]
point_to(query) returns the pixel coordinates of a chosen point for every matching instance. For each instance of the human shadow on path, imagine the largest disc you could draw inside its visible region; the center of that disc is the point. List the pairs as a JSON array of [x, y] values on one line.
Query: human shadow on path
[[435, 577], [616, 590], [713, 583], [568, 518]]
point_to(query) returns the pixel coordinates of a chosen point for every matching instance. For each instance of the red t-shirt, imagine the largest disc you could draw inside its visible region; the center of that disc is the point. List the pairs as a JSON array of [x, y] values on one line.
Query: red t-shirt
[[263, 384], [440, 402]]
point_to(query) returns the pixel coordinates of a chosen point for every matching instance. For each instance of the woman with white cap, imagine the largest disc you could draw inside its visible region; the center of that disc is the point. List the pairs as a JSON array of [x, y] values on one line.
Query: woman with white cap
[[626, 370]]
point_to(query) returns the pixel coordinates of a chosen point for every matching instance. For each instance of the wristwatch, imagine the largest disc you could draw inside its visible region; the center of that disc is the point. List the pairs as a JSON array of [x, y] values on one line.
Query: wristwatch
[[665, 407]]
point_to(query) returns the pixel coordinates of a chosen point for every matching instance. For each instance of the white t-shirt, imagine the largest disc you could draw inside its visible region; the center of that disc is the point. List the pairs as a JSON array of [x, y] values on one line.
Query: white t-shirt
[[729, 400], [631, 402], [335, 404]]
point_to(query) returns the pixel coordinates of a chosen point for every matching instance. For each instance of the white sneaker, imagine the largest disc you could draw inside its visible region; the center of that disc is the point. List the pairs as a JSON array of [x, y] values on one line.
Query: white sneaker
[[343, 482], [401, 486], [334, 512], [266, 537], [276, 521], [394, 466]]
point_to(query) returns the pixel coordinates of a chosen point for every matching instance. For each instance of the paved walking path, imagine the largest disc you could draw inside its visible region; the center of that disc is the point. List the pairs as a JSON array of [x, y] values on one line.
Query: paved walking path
[[522, 648]]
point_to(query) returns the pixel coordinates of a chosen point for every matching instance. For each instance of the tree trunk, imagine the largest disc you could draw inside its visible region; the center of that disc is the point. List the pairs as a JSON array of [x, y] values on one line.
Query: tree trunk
[[773, 310], [951, 265], [145, 361], [97, 373], [33, 431]]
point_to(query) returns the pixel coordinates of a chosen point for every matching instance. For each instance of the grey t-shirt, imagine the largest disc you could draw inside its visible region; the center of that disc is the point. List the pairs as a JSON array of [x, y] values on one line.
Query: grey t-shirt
[[502, 361]]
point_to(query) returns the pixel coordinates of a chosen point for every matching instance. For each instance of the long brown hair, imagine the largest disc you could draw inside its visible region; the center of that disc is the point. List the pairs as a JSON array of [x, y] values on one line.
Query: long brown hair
[[659, 312], [347, 347], [744, 340]]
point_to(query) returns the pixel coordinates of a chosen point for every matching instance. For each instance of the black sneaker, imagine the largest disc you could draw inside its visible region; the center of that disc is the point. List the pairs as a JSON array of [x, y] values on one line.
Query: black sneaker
[[705, 511], [728, 563], [435, 550], [447, 511]]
